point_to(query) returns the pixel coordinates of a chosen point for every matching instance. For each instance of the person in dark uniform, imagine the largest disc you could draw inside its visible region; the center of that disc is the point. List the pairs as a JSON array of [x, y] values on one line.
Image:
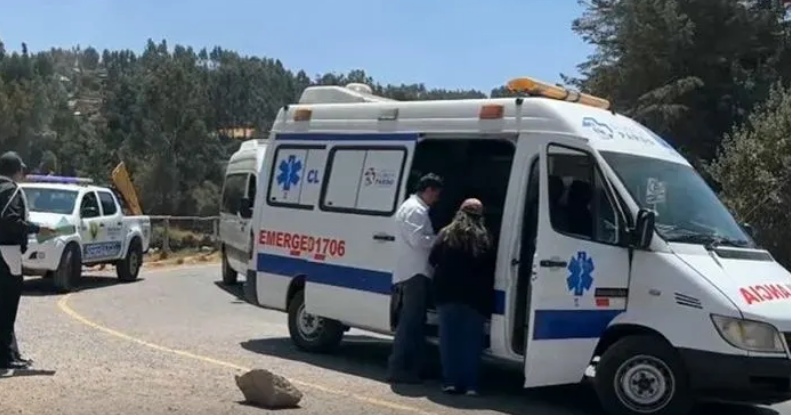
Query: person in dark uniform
[[14, 232]]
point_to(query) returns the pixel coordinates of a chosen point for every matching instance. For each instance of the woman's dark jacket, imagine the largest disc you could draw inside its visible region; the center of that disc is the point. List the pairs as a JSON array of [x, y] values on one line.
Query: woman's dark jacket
[[462, 278]]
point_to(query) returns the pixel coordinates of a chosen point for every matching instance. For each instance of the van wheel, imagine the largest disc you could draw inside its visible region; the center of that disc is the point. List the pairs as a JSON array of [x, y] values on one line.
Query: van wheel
[[69, 269], [128, 268], [229, 275], [641, 375], [312, 333]]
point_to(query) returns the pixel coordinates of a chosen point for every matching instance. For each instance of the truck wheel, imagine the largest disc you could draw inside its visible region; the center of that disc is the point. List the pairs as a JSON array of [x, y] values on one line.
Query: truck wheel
[[229, 276], [69, 269], [641, 375], [312, 333], [128, 268]]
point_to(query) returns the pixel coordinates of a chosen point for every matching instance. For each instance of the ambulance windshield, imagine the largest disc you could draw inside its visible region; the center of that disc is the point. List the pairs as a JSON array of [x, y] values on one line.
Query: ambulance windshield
[[687, 210]]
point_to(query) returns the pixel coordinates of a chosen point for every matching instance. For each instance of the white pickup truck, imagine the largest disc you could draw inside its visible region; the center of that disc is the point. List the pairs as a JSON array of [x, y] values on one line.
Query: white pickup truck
[[101, 233]]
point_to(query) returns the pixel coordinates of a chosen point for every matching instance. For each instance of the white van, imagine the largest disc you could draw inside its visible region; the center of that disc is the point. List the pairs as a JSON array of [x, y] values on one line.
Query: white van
[[616, 262], [236, 208]]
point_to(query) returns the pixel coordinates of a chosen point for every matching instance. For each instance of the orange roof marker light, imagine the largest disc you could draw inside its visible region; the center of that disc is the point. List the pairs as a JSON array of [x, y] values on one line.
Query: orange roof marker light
[[537, 88], [491, 112], [302, 114]]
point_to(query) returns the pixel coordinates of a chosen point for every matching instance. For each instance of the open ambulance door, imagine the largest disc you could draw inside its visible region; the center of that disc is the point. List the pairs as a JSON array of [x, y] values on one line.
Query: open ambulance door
[[350, 276], [580, 278]]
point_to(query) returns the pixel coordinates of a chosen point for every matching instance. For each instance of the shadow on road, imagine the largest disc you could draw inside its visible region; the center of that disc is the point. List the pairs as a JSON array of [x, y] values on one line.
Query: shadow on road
[[236, 290], [41, 287], [502, 391]]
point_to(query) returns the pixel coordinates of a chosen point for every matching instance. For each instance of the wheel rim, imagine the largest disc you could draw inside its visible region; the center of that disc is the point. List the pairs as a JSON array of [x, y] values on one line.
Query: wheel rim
[[644, 384], [309, 326]]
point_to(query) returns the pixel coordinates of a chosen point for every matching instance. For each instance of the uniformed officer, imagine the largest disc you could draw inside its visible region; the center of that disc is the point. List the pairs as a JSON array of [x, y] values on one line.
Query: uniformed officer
[[14, 232]]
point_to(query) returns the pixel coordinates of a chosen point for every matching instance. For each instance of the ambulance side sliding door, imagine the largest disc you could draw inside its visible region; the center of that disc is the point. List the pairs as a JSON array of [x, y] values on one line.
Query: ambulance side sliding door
[[361, 190]]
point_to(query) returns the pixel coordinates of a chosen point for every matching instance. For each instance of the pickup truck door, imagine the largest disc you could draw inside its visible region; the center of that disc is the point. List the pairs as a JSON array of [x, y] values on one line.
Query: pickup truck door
[[91, 228], [111, 225]]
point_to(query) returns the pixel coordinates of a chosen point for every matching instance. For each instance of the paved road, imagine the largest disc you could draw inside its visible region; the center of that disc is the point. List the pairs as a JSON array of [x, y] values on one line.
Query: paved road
[[171, 343]]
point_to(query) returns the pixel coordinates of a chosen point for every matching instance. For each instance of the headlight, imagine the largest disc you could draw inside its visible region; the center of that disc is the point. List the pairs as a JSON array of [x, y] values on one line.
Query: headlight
[[749, 335]]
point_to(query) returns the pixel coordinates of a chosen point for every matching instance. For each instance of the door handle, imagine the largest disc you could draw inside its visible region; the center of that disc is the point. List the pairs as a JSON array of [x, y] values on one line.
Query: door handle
[[384, 237], [101, 225], [514, 262], [552, 263]]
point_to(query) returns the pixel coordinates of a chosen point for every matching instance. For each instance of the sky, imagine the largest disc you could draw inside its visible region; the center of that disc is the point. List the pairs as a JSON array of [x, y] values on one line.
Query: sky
[[441, 43]]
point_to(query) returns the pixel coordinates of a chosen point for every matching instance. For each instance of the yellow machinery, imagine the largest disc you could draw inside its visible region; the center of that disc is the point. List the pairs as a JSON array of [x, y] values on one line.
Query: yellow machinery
[[124, 185]]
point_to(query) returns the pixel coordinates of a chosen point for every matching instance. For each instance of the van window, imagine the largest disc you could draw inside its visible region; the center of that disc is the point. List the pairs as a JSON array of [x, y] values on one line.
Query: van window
[[296, 176], [363, 180], [232, 192], [108, 204], [579, 204]]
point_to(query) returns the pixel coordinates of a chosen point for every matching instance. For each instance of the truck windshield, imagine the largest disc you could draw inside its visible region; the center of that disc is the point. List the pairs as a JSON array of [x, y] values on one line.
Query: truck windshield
[[687, 210], [51, 200]]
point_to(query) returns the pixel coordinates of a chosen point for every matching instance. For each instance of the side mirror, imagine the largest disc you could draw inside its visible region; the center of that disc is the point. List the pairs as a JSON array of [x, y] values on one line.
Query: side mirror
[[246, 208], [749, 229], [89, 212], [643, 229]]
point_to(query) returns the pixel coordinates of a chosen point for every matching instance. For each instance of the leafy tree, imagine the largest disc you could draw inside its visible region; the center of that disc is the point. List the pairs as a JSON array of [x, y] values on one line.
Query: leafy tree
[[689, 69], [752, 169]]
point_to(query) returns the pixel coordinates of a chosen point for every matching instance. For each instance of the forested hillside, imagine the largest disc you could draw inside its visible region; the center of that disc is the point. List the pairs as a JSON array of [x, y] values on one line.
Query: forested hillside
[[167, 112], [696, 71]]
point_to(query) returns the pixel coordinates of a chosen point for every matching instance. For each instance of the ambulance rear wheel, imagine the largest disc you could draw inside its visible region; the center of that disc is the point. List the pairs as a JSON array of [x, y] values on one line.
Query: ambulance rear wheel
[[642, 375], [312, 333]]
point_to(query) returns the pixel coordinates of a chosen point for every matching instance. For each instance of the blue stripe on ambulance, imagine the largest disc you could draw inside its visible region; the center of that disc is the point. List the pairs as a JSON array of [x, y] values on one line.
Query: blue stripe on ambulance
[[548, 324]]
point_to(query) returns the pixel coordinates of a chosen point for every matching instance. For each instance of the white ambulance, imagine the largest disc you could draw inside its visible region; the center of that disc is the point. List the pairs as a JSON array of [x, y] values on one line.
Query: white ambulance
[[616, 262], [236, 208]]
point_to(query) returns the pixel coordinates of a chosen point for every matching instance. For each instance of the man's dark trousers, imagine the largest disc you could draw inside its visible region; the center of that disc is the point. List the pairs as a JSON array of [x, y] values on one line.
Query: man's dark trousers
[[407, 358], [10, 294]]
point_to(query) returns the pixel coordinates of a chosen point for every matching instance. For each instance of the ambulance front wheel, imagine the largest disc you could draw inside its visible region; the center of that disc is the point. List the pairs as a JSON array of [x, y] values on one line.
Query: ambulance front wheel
[[312, 333], [642, 375]]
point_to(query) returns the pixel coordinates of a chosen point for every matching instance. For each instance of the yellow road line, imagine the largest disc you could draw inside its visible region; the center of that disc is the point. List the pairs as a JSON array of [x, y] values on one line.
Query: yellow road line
[[63, 305]]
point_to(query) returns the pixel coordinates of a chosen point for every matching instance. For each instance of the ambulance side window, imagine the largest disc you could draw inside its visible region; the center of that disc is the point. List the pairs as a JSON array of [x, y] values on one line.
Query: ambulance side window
[[232, 193], [579, 203], [296, 176], [363, 180]]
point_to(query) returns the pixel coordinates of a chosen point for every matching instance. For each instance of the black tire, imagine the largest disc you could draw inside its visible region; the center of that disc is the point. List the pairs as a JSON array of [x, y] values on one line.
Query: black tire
[[325, 334], [650, 360], [128, 268], [229, 275], [69, 271]]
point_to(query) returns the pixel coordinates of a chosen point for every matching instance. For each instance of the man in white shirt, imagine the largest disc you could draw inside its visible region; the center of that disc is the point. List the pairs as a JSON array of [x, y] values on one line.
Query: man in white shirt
[[411, 280]]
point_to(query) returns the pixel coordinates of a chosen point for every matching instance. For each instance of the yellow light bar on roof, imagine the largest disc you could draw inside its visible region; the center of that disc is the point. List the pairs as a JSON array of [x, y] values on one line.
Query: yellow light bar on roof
[[537, 88]]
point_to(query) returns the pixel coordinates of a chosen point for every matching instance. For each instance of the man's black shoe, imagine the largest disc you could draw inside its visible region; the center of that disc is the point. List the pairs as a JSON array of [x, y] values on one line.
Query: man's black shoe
[[14, 365], [28, 362]]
